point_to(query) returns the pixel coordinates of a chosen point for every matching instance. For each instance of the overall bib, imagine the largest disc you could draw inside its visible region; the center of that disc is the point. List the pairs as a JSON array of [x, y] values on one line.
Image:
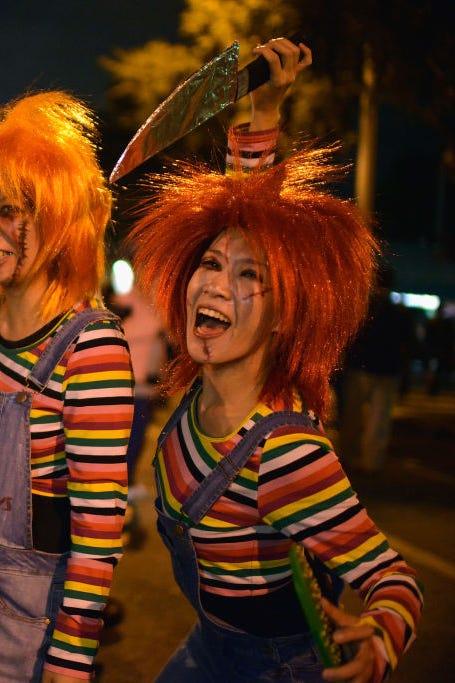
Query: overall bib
[[31, 582], [215, 653]]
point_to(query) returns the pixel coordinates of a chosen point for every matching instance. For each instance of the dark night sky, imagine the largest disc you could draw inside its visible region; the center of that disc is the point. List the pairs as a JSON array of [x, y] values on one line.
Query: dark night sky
[[56, 43]]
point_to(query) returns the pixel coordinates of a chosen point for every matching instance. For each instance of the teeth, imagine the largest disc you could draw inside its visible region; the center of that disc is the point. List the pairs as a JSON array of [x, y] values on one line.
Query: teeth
[[214, 314]]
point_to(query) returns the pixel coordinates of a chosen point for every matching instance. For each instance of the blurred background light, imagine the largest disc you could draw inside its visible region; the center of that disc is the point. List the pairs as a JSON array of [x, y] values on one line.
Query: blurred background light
[[122, 277], [427, 302]]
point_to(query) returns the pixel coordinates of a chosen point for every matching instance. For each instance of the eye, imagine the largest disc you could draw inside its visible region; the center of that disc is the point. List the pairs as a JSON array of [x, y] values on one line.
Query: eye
[[252, 274], [9, 211], [210, 263]]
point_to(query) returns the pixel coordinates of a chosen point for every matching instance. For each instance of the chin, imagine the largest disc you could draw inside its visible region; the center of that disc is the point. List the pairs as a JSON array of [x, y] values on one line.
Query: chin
[[196, 353]]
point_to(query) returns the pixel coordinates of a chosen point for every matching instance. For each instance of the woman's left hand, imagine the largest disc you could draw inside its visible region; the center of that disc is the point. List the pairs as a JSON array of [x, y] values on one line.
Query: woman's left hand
[[360, 668], [51, 677]]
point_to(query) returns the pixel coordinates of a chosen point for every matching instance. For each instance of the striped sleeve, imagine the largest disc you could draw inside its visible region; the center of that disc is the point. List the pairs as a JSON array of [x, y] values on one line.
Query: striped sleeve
[[97, 415], [249, 149], [304, 493]]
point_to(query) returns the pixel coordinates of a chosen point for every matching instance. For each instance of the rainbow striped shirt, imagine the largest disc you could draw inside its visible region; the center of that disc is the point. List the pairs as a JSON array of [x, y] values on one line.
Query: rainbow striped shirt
[[80, 427], [292, 489], [246, 149]]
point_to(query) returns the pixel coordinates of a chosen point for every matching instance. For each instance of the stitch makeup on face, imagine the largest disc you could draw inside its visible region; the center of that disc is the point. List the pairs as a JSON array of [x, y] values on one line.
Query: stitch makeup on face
[[229, 314], [262, 293], [14, 232], [7, 215], [22, 250], [206, 351]]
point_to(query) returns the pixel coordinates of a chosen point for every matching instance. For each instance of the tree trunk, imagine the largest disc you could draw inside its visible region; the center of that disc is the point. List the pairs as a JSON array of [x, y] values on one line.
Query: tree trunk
[[365, 174]]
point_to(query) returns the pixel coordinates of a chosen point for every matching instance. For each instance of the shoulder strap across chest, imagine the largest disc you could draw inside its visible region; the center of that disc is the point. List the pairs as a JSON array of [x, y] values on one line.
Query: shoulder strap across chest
[[52, 355], [215, 484]]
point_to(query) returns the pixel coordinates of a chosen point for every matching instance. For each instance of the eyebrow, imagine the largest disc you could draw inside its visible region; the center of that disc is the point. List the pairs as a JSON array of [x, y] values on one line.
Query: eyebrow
[[249, 261]]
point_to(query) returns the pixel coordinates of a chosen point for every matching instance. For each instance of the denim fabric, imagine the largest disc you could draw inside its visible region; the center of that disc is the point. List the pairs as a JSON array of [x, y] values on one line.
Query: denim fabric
[[31, 592], [31, 582], [15, 485], [217, 481], [217, 654]]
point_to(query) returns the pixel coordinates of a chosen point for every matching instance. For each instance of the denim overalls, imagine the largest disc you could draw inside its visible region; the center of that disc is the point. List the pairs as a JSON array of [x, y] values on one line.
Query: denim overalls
[[31, 582], [213, 653]]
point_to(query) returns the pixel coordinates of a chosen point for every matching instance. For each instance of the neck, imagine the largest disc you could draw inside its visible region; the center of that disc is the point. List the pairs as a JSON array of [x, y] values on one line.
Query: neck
[[228, 396], [20, 310]]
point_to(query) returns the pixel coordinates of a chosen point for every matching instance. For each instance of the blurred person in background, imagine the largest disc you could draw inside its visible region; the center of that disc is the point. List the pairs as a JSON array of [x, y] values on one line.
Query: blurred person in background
[[148, 345], [376, 365], [439, 351]]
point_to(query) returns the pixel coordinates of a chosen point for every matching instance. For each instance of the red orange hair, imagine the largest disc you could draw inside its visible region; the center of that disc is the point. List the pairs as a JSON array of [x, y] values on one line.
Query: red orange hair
[[320, 252], [48, 167]]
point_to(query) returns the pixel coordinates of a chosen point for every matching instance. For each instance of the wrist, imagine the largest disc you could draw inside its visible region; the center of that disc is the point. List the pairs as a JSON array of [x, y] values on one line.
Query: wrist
[[242, 138], [264, 120]]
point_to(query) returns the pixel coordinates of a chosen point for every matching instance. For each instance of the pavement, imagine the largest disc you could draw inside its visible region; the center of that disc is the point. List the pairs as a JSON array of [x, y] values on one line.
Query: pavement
[[411, 500]]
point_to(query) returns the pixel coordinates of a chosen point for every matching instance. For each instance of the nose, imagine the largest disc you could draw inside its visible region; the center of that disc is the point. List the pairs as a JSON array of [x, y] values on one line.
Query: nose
[[219, 285]]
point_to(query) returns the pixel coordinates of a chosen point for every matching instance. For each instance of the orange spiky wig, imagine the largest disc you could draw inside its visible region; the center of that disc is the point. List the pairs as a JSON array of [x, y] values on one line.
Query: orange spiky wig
[[319, 249], [48, 168]]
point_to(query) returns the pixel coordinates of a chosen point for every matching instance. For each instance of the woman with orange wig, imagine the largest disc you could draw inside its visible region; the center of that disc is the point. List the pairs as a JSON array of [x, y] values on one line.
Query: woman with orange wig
[[262, 279], [65, 392]]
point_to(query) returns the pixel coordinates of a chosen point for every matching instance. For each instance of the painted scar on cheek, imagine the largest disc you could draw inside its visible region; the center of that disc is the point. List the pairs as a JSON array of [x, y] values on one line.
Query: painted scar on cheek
[[262, 292]]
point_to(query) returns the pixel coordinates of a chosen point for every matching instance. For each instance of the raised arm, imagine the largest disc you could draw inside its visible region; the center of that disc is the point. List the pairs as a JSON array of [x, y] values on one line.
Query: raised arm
[[252, 143], [286, 61]]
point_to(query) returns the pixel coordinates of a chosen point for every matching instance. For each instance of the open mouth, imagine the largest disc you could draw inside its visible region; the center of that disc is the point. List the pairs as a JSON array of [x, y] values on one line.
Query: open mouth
[[210, 321]]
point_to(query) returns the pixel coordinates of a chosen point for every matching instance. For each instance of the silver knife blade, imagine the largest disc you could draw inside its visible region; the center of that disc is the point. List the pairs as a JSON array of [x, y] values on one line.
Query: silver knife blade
[[207, 92]]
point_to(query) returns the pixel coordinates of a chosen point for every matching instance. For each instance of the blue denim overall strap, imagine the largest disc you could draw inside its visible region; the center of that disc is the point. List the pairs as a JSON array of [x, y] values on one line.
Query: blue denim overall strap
[[214, 653], [15, 481], [176, 535], [215, 484], [179, 411], [31, 582], [219, 479], [15, 484], [49, 359]]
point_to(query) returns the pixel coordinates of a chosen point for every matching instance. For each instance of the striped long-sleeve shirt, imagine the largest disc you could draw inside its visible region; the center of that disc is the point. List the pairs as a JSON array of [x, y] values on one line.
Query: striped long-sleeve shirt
[[80, 427], [247, 149], [292, 489]]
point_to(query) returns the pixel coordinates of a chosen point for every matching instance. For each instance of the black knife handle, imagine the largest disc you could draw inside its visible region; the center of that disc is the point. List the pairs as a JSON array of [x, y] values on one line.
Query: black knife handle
[[257, 72]]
